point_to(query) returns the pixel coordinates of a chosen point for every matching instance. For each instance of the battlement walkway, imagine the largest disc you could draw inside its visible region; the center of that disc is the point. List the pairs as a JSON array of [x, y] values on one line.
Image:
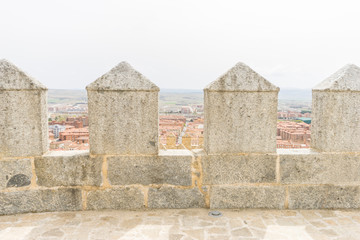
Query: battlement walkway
[[183, 224]]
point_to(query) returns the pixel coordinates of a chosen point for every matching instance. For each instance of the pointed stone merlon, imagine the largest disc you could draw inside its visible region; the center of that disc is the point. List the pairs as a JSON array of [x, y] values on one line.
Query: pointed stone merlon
[[240, 113], [23, 113], [335, 125], [123, 113]]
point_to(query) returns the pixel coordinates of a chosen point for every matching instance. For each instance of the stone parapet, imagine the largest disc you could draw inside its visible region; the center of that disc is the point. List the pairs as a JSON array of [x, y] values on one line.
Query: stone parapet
[[289, 179], [240, 113], [335, 125], [23, 113], [239, 167], [123, 113]]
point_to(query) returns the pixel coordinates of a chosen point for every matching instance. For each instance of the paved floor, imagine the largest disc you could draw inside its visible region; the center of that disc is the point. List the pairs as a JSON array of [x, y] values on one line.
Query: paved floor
[[183, 224]]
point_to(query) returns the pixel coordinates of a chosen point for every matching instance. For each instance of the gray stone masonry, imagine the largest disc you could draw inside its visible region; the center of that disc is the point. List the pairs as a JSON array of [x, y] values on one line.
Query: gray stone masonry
[[15, 173], [123, 113], [247, 197], [324, 197], [23, 113], [171, 197], [118, 198], [239, 167], [294, 179], [335, 123], [240, 113], [163, 169], [40, 201], [68, 169], [232, 169], [316, 168]]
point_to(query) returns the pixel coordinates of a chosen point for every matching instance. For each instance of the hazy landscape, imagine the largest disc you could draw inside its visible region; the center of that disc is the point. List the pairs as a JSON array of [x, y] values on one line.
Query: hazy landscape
[[66, 96], [177, 96]]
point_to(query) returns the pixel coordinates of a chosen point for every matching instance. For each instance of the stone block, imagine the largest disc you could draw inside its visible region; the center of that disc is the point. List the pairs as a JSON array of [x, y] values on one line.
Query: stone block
[[320, 168], [240, 113], [40, 201], [115, 198], [23, 113], [123, 113], [335, 123], [232, 169], [272, 197], [145, 170], [15, 173], [324, 196], [172, 197], [68, 170]]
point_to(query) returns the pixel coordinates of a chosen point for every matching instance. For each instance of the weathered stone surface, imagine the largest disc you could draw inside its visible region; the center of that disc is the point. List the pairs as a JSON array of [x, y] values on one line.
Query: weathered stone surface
[[336, 121], [122, 77], [145, 170], [123, 113], [241, 78], [68, 170], [320, 168], [19, 180], [116, 198], [335, 112], [324, 196], [240, 121], [247, 197], [13, 78], [40, 201], [15, 173], [231, 169], [171, 197], [240, 113], [345, 79], [23, 123], [184, 224], [67, 153], [294, 151], [23, 113]]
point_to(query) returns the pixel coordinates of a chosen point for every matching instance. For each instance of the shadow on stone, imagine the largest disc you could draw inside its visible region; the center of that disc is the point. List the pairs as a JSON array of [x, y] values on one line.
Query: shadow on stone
[[18, 180]]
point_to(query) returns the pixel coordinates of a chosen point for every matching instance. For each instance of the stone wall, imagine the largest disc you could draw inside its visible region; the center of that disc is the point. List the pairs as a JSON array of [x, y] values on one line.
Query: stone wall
[[125, 170]]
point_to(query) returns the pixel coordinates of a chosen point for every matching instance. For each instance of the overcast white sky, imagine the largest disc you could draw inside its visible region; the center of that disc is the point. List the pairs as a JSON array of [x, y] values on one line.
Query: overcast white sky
[[180, 43]]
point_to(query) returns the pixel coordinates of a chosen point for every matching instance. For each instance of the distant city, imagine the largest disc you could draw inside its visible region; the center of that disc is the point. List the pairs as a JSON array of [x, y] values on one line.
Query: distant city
[[181, 119]]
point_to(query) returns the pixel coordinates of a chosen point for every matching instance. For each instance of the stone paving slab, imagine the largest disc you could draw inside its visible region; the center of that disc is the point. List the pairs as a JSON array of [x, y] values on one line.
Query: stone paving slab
[[184, 225]]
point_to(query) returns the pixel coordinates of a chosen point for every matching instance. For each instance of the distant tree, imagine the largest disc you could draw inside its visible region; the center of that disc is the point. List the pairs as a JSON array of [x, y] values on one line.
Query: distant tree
[[305, 111], [60, 118]]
